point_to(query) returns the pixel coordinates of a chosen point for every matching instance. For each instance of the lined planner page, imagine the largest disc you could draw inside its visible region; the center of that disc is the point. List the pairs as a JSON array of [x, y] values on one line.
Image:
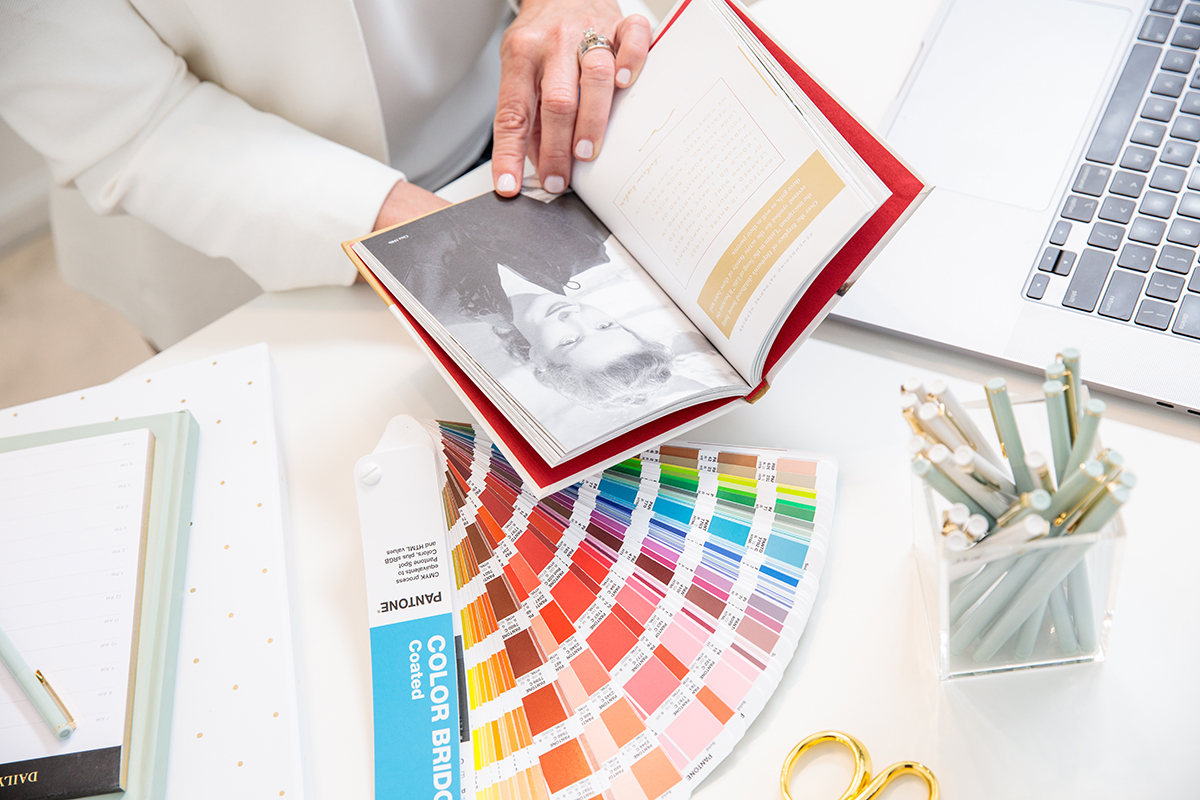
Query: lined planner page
[[72, 522]]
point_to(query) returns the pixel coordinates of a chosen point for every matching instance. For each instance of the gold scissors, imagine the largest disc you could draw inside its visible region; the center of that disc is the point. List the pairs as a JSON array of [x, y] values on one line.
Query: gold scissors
[[861, 787]]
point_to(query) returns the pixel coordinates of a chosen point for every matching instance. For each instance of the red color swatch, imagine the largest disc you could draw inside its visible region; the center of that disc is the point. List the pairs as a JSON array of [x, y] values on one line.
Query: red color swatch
[[556, 621], [610, 641], [572, 595], [535, 550]]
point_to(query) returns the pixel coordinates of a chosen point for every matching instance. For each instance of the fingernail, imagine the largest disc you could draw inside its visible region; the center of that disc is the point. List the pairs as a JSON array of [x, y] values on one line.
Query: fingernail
[[623, 76], [554, 184], [506, 183], [583, 149]]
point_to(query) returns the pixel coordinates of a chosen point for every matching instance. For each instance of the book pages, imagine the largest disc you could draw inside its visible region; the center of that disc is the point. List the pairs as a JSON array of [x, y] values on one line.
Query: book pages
[[711, 179]]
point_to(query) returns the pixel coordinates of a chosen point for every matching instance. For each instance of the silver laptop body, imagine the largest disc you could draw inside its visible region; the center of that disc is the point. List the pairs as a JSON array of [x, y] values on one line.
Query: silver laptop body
[[1001, 113]]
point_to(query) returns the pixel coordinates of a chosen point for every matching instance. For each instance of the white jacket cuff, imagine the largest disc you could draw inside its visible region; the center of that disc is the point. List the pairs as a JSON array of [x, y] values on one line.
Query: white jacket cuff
[[232, 181]]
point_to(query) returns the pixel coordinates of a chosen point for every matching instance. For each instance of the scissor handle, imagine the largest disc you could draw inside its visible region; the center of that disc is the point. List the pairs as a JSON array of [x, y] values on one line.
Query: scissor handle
[[896, 770], [862, 761], [861, 786]]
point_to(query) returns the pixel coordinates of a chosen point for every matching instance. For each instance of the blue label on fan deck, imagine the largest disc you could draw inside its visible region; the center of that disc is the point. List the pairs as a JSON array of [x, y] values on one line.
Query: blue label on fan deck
[[416, 702]]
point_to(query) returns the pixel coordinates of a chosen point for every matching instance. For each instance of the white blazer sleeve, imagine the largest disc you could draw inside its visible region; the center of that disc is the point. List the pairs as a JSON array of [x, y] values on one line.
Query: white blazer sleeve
[[114, 110]]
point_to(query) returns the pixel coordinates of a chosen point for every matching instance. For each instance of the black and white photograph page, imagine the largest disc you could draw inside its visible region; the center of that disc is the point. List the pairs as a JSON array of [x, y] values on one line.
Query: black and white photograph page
[[548, 313]]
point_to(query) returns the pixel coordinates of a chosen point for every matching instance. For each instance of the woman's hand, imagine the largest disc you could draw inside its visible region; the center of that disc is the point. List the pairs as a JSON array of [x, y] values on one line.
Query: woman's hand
[[404, 202], [552, 105]]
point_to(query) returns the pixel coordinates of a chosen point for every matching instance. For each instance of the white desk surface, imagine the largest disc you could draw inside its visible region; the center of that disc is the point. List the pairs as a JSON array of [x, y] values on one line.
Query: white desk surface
[[865, 664]]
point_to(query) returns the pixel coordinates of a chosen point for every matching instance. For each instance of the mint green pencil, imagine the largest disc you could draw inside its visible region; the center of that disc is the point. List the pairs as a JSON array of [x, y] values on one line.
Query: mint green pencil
[[37, 689], [1070, 359], [1060, 429], [1010, 437], [1085, 436]]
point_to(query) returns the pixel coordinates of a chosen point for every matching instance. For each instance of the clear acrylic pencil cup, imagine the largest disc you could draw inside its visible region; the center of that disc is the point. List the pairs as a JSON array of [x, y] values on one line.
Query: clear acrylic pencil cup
[[997, 607]]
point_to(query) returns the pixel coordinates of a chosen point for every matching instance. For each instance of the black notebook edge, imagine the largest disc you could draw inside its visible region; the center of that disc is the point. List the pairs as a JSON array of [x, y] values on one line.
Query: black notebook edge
[[64, 776]]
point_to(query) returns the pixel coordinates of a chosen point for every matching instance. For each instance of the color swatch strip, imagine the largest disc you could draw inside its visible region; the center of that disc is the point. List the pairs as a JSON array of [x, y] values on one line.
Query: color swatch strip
[[621, 634]]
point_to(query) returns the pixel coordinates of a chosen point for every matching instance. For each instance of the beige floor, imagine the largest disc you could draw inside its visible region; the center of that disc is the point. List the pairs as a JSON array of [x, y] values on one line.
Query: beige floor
[[54, 339]]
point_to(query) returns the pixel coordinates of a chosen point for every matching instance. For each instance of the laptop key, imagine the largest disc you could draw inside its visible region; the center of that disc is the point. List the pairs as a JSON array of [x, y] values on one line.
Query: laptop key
[[1127, 184], [1164, 286], [1186, 128], [1154, 314], [1187, 321], [1155, 29], [1185, 231], [1037, 286], [1107, 236], [1167, 6], [1065, 262], [1117, 209], [1148, 133], [1158, 108], [1168, 85], [1157, 204], [1186, 36], [1049, 259], [1080, 209], [1194, 283], [1148, 231], [1190, 14], [1181, 154], [1084, 289], [1134, 256], [1191, 103], [1062, 229], [1195, 84], [1126, 97], [1138, 158], [1176, 259], [1178, 61], [1168, 178], [1092, 179], [1122, 295], [1189, 205]]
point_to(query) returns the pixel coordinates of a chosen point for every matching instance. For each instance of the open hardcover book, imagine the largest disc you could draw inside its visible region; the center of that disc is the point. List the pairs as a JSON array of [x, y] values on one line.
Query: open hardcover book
[[733, 201]]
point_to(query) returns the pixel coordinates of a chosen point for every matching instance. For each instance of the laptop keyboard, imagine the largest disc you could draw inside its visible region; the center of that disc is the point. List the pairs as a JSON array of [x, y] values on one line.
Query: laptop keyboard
[[1124, 246]]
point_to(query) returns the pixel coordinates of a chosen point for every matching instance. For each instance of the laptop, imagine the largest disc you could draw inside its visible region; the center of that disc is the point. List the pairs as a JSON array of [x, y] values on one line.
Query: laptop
[[1062, 137]]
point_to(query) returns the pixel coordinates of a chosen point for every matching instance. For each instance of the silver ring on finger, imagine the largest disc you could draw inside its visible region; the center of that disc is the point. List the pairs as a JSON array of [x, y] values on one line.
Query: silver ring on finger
[[593, 41]]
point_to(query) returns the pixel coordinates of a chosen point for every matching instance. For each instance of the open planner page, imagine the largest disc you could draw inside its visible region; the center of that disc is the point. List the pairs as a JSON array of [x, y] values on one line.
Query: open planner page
[[711, 180], [72, 528]]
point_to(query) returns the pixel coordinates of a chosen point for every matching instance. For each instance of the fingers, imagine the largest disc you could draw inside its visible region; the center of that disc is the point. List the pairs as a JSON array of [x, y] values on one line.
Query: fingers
[[633, 42], [515, 111], [565, 115], [599, 72], [560, 99], [535, 140], [596, 71]]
